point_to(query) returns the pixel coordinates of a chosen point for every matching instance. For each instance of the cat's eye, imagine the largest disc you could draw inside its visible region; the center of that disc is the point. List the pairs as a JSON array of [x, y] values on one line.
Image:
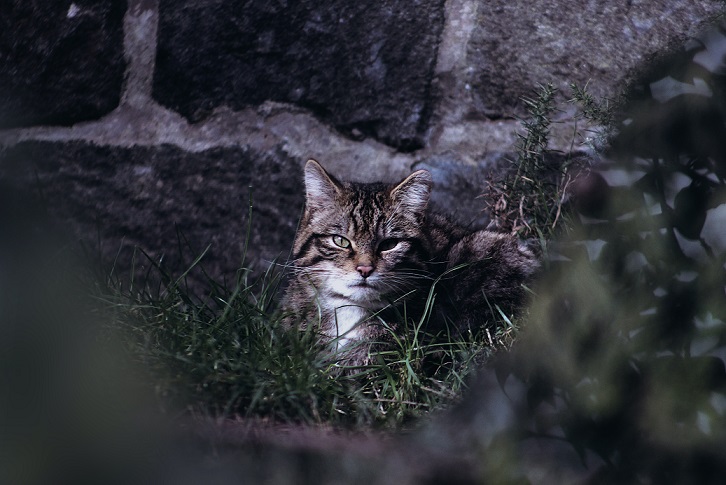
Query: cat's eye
[[387, 244], [341, 242]]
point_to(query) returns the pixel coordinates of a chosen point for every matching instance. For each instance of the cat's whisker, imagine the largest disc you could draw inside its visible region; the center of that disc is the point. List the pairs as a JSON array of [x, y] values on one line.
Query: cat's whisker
[[392, 289], [423, 276], [399, 283]]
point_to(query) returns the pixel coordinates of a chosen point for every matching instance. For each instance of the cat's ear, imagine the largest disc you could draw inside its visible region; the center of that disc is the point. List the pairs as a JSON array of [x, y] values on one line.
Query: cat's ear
[[320, 187], [414, 192]]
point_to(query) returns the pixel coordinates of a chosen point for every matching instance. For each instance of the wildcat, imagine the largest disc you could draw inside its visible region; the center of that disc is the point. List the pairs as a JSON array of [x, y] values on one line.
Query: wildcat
[[362, 251]]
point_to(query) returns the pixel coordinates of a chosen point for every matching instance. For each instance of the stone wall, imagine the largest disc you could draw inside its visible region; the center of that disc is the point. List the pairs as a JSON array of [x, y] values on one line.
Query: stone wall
[[142, 120]]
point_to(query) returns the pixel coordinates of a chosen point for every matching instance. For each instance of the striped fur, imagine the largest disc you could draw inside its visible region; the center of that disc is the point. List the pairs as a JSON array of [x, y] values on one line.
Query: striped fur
[[361, 250]]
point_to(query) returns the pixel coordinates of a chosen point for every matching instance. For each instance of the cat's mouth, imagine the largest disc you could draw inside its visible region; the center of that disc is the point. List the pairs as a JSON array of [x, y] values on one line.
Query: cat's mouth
[[365, 285], [364, 289]]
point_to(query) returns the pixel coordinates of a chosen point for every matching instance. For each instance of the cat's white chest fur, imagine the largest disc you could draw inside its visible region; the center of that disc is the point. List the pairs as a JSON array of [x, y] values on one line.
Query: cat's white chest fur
[[347, 322]]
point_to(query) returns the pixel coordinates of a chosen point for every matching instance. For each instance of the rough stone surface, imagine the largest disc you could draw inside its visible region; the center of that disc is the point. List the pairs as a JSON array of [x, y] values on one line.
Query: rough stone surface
[[60, 62], [148, 197], [365, 68], [457, 186], [516, 45]]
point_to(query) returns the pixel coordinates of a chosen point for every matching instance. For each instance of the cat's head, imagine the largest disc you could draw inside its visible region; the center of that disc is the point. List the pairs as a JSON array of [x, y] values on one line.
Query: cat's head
[[364, 243]]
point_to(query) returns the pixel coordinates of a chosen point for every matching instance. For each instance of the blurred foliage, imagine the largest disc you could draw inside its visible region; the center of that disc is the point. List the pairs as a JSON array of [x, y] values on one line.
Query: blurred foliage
[[622, 357]]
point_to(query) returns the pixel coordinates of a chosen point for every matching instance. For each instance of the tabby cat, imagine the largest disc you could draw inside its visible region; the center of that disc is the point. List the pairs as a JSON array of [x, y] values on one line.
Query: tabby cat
[[362, 250]]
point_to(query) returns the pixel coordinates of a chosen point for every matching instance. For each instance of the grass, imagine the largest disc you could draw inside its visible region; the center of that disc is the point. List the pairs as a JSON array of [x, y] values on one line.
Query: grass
[[227, 353]]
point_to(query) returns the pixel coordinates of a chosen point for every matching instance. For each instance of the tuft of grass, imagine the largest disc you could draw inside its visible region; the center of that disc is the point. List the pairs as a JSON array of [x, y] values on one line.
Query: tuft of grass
[[528, 200], [599, 112], [531, 199], [228, 353]]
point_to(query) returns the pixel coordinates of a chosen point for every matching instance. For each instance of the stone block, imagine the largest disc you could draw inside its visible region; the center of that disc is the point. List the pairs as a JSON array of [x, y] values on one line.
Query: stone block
[[167, 201], [61, 62], [458, 187], [516, 45], [365, 68]]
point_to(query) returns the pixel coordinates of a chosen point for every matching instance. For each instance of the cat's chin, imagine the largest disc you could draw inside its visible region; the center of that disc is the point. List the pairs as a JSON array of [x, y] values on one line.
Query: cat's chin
[[364, 293], [357, 293]]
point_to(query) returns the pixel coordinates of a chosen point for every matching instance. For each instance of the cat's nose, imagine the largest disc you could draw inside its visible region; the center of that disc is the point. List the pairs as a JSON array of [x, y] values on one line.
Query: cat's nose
[[364, 270]]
